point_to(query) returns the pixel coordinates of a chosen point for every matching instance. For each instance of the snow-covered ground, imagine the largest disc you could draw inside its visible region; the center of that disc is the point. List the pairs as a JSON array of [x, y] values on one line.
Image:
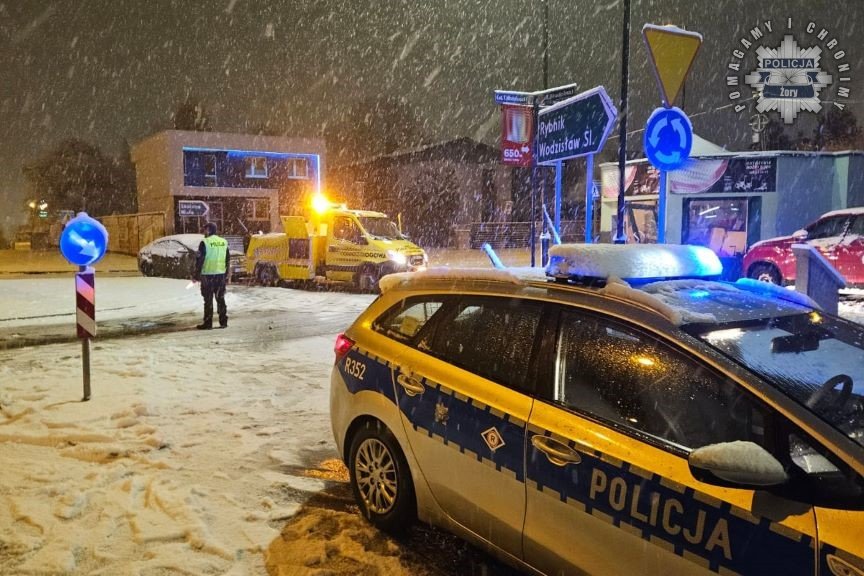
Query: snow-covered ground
[[199, 452], [194, 449]]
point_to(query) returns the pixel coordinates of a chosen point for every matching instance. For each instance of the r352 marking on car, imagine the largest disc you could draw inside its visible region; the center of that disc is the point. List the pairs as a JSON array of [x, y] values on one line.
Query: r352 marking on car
[[355, 368]]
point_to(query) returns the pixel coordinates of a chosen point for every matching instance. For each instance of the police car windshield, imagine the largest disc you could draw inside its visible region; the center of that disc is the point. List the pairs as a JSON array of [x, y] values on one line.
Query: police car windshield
[[380, 227], [806, 356]]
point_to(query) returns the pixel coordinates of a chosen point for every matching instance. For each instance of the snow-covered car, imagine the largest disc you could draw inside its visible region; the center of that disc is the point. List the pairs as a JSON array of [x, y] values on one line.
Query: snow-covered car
[[838, 235], [174, 257], [629, 414]]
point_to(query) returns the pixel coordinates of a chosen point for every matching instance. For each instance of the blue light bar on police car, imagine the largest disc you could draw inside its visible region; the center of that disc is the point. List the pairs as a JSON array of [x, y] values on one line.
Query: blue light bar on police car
[[634, 263]]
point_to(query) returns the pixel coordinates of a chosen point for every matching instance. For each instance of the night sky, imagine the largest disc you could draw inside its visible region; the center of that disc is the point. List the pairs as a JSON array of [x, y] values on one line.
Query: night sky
[[114, 71]]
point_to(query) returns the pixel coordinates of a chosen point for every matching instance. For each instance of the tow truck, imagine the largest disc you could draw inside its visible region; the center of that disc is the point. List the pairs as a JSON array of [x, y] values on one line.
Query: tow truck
[[332, 245]]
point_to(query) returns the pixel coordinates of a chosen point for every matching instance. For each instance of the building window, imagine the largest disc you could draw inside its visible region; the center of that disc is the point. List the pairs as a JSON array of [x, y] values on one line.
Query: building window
[[298, 168], [258, 209], [718, 223], [210, 170], [256, 167]]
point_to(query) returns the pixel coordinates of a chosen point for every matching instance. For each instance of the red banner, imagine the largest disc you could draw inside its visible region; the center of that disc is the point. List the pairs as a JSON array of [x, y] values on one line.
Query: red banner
[[517, 135]]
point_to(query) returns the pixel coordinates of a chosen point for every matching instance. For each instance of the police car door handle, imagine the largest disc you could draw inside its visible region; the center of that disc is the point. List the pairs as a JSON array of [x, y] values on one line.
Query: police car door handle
[[412, 386], [556, 452]]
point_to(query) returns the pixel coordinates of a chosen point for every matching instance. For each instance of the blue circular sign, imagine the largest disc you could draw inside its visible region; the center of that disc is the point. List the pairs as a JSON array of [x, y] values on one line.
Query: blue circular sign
[[668, 138], [84, 240]]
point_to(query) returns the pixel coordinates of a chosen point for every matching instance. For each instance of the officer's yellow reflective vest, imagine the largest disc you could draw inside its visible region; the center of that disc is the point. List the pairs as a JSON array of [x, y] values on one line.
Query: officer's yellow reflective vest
[[214, 257]]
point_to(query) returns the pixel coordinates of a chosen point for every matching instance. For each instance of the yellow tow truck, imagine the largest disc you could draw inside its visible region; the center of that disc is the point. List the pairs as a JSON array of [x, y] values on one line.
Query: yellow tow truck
[[334, 244]]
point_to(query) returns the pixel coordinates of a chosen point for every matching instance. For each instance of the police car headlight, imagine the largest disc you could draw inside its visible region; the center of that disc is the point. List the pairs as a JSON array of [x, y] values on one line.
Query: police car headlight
[[397, 257]]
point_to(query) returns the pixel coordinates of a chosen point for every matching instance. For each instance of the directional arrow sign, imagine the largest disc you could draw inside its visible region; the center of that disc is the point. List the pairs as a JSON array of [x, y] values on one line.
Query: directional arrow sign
[[575, 127], [192, 208], [668, 138], [84, 240], [672, 51]]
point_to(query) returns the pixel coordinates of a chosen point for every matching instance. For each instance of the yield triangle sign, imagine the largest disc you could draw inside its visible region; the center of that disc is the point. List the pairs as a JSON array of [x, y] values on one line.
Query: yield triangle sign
[[672, 51]]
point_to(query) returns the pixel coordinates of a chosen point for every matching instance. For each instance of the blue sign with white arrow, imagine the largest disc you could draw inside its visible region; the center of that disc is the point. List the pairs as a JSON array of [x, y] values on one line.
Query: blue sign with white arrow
[[84, 240], [668, 138]]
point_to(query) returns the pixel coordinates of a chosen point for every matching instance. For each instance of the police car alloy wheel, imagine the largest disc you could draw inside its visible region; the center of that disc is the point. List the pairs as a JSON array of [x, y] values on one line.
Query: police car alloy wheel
[[380, 478]]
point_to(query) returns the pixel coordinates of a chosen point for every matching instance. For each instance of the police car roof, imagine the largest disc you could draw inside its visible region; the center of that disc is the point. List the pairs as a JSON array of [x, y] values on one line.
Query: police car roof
[[676, 282]]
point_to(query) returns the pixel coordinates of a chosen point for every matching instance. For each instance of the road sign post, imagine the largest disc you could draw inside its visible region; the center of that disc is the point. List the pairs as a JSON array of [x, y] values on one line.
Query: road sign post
[[83, 242], [668, 136], [516, 133], [574, 128], [85, 318]]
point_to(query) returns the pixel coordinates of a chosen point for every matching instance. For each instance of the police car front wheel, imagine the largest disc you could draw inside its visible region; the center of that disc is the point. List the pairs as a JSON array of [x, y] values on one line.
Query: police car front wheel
[[380, 478]]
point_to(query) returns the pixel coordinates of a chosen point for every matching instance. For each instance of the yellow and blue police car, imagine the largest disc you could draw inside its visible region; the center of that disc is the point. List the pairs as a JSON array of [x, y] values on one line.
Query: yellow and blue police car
[[626, 414]]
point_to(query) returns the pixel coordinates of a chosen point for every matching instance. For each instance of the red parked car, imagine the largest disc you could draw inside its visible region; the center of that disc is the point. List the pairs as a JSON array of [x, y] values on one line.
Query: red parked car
[[838, 235]]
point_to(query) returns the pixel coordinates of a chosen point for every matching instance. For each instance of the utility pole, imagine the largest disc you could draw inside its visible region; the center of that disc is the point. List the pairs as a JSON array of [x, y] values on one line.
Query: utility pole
[[542, 173], [535, 112], [620, 238]]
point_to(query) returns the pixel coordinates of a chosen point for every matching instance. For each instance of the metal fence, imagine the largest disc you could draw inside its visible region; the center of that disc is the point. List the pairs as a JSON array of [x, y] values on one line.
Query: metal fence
[[518, 234]]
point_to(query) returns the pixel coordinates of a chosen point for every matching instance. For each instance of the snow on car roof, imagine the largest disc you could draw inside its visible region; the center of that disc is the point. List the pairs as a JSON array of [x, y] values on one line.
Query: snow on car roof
[[707, 301], [191, 240], [171, 246], [687, 292], [844, 212], [508, 275], [632, 262]]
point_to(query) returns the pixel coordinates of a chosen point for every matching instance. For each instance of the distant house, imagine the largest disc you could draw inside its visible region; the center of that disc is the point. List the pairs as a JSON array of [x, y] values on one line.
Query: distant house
[[437, 191], [240, 182]]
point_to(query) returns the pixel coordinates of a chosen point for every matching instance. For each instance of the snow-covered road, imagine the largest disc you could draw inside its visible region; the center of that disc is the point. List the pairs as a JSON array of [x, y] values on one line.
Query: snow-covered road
[[199, 452]]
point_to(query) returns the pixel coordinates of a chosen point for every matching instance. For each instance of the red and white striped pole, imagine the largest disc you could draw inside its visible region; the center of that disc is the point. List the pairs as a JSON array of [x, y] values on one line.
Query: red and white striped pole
[[85, 316]]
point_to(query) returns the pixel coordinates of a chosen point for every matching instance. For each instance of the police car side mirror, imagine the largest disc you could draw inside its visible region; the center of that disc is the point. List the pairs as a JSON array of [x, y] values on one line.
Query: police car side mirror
[[800, 234], [736, 465]]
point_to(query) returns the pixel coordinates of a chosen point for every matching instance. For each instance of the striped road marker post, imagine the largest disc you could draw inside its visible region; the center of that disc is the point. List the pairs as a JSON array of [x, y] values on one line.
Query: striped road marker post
[[83, 242], [85, 316]]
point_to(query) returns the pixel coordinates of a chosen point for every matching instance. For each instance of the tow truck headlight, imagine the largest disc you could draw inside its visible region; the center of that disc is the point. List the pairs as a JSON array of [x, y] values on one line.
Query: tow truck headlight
[[397, 257]]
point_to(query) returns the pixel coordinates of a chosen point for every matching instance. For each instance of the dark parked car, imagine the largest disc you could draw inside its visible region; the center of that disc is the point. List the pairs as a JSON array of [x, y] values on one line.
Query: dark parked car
[[174, 257], [838, 235]]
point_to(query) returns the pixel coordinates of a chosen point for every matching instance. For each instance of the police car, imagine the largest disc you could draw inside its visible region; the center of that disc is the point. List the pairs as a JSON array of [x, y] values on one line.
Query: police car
[[626, 414]]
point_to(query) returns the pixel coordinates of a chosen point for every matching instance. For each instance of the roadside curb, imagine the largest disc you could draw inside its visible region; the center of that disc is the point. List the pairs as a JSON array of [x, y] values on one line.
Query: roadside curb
[[46, 335]]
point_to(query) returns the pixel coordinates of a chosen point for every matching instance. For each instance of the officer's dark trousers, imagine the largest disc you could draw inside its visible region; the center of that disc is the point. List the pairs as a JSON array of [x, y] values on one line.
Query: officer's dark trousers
[[214, 285]]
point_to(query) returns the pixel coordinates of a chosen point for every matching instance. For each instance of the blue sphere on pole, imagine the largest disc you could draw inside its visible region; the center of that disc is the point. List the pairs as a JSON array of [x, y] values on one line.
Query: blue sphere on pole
[[84, 240], [668, 138]]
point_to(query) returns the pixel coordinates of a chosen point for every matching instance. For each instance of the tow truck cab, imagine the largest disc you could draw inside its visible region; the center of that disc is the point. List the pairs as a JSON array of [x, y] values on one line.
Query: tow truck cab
[[335, 244]]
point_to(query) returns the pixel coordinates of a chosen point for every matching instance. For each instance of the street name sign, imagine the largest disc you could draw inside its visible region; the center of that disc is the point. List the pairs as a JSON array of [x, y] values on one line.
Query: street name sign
[[193, 208], [671, 51], [540, 98], [511, 97], [575, 127]]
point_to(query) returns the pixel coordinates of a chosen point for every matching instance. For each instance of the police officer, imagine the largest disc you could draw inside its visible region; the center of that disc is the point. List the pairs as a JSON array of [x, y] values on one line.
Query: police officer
[[212, 266]]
